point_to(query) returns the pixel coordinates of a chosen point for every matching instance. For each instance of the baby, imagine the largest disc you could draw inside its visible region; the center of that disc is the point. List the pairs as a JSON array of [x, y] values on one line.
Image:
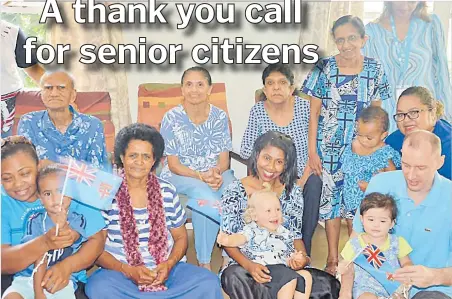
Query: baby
[[266, 241]]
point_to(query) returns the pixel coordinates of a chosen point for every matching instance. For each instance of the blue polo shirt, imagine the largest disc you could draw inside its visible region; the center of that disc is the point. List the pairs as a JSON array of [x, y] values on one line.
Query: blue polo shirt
[[83, 140], [443, 130], [15, 215], [427, 227]]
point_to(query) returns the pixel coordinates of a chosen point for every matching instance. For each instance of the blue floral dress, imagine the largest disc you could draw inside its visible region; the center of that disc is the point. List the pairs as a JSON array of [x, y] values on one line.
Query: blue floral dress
[[343, 98], [361, 168], [197, 146]]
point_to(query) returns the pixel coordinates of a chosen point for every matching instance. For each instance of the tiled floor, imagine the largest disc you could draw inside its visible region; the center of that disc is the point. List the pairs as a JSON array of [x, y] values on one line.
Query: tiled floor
[[319, 251]]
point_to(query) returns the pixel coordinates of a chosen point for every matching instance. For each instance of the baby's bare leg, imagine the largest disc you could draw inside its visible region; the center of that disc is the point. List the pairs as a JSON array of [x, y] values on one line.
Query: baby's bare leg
[[368, 296], [13, 296], [308, 285], [288, 290]]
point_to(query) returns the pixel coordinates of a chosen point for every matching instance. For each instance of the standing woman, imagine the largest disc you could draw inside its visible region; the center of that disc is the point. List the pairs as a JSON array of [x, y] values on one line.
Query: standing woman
[[341, 87], [411, 46], [197, 145]]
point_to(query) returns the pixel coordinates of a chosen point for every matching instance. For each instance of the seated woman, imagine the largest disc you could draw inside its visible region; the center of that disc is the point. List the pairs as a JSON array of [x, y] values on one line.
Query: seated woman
[[197, 145], [20, 202], [146, 236], [273, 161], [418, 110], [284, 112]]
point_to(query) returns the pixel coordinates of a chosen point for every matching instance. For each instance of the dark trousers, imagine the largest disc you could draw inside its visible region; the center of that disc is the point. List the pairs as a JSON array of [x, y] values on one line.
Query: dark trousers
[[430, 295], [239, 284], [8, 279], [311, 195]]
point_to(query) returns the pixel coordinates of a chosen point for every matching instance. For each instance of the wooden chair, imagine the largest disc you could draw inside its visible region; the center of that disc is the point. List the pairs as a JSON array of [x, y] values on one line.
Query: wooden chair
[[93, 103], [155, 99]]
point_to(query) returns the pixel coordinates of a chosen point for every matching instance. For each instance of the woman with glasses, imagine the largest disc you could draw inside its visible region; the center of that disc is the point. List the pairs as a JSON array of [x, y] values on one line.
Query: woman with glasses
[[340, 87], [418, 110], [411, 46]]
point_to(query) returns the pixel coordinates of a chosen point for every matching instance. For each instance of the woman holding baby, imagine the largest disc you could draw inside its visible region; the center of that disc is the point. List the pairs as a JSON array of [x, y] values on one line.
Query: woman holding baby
[[273, 161]]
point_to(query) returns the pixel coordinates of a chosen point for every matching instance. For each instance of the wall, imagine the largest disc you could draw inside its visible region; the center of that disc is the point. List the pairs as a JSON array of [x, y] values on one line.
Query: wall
[[241, 81]]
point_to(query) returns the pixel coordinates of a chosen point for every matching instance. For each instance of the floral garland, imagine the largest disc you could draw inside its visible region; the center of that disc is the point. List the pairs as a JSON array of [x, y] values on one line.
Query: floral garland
[[158, 238]]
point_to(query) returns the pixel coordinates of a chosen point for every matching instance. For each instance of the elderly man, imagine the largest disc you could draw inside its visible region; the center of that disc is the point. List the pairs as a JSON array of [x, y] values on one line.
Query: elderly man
[[424, 200], [60, 131]]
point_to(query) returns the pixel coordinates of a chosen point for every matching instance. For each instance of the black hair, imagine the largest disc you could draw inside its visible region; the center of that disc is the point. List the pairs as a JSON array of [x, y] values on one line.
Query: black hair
[[375, 113], [139, 131], [14, 144], [349, 19], [280, 68], [48, 170], [197, 69], [284, 142], [377, 200]]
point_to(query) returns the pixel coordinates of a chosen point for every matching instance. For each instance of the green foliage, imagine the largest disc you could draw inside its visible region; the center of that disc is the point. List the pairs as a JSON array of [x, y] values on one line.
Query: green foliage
[[29, 23]]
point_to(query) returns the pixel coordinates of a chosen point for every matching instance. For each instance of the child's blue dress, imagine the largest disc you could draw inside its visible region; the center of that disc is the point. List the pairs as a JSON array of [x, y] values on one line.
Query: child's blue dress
[[361, 168]]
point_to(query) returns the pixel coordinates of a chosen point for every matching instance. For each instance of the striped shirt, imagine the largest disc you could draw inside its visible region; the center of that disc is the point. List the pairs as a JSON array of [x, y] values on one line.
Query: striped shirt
[[174, 214]]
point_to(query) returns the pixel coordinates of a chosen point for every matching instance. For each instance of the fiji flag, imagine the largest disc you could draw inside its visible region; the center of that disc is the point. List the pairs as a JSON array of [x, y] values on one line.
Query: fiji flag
[[374, 256], [90, 185]]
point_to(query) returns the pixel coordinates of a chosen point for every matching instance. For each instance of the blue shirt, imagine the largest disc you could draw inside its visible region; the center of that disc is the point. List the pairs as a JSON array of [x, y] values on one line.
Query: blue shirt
[[427, 226], [15, 215], [197, 146], [38, 224], [443, 130], [83, 140]]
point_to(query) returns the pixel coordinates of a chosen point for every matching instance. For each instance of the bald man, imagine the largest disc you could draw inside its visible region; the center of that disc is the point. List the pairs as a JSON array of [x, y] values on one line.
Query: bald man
[[424, 201], [61, 131]]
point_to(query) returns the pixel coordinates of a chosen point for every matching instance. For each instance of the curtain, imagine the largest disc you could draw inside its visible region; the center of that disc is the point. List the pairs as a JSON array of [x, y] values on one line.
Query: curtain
[[94, 77], [320, 19]]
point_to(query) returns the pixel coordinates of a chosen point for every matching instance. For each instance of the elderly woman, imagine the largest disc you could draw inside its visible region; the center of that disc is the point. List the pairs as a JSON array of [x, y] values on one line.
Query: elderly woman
[[410, 45], [418, 110], [146, 236], [340, 87], [20, 202], [273, 161], [289, 114], [197, 145]]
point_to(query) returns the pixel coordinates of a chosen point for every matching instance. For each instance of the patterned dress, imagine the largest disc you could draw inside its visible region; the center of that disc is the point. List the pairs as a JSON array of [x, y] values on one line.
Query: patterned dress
[[343, 98], [260, 123], [361, 168], [427, 61], [234, 203], [197, 146]]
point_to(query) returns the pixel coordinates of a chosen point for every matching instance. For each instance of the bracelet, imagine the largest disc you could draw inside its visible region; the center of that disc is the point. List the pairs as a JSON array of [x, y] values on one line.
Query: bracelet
[[306, 256]]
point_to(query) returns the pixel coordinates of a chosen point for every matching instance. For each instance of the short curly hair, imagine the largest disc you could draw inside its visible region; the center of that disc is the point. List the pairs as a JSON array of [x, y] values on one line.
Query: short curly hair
[[143, 132]]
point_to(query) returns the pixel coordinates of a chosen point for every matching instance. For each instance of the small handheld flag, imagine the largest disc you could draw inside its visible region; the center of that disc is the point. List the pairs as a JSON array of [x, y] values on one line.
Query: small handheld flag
[[374, 256], [90, 185]]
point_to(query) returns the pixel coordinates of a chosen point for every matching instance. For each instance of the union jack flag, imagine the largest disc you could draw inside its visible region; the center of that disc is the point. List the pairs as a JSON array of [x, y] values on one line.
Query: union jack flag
[[374, 256], [81, 172]]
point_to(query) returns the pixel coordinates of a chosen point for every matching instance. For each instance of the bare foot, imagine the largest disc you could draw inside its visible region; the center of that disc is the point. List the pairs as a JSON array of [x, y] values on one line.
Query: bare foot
[[331, 267], [207, 266]]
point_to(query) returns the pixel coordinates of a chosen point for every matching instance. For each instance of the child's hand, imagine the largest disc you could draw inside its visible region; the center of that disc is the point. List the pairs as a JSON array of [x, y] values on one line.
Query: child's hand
[[297, 260], [223, 239], [363, 185], [344, 267]]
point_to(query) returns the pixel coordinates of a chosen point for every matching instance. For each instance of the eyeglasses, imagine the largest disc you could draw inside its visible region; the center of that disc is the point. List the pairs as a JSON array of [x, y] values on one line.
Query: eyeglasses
[[15, 140], [351, 39], [413, 114]]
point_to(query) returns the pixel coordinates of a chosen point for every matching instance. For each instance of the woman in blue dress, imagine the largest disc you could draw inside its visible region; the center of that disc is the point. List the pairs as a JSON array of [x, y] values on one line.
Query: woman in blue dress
[[197, 145], [411, 46], [341, 87]]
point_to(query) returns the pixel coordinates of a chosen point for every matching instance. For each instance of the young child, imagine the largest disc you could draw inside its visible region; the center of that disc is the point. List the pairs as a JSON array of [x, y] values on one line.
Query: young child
[[366, 156], [376, 253], [49, 183], [265, 241]]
